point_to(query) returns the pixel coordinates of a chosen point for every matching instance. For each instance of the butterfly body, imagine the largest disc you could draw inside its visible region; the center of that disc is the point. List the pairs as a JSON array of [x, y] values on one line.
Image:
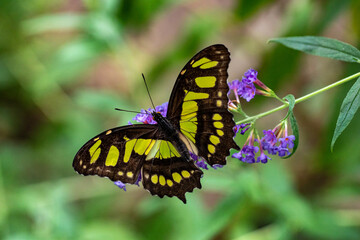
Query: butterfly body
[[172, 134], [197, 121]]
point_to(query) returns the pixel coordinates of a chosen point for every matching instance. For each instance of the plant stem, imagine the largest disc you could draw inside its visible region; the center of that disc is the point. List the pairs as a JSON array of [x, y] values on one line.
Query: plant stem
[[298, 100]]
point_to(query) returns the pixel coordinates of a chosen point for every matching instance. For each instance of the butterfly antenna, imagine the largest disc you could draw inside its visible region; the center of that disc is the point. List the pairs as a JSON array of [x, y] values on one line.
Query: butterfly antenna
[[124, 110], [147, 89]]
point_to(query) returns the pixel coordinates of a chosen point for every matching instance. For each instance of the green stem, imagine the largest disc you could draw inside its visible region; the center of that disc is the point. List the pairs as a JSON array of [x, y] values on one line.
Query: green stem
[[303, 98]]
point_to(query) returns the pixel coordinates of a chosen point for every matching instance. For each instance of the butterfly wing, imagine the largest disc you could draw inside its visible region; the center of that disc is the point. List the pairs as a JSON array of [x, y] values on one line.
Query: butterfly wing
[[198, 104], [122, 153], [166, 172], [118, 153]]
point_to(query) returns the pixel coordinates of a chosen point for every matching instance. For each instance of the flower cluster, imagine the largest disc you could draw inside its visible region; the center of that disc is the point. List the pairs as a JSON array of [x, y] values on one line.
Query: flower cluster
[[275, 142], [282, 149], [248, 151], [244, 127], [246, 88], [145, 115]]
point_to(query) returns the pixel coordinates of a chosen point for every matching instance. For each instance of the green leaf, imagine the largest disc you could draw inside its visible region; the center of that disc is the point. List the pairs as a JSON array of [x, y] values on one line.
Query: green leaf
[[291, 100], [348, 109], [322, 46], [295, 130], [294, 126]]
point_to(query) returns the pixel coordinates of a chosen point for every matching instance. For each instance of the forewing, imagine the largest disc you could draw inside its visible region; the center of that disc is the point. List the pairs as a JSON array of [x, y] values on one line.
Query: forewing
[[168, 173], [198, 104], [118, 153]]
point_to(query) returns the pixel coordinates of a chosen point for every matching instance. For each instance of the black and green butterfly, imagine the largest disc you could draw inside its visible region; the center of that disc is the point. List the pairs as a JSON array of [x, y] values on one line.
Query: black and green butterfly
[[197, 121]]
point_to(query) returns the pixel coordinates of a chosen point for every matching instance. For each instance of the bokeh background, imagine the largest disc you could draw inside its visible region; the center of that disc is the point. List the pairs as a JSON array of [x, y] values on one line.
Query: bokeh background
[[65, 66]]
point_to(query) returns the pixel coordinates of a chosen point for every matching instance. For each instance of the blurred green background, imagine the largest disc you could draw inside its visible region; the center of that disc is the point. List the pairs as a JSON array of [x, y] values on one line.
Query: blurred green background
[[64, 67]]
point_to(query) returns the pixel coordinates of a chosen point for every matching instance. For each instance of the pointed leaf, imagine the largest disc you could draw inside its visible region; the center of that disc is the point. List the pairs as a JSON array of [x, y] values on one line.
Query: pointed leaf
[[322, 46], [348, 109], [291, 100], [295, 130], [294, 126]]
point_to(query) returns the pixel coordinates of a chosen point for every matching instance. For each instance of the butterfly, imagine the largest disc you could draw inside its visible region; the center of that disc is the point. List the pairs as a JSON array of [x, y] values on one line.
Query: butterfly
[[197, 121]]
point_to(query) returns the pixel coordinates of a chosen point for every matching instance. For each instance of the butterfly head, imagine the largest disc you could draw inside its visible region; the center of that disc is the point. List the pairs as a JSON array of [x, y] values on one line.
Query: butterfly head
[[157, 116]]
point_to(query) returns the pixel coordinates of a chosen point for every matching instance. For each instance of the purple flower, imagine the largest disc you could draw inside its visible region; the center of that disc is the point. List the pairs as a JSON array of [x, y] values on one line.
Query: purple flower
[[273, 150], [138, 180], [234, 85], [199, 161], [266, 146], [243, 128], [268, 142], [250, 76], [236, 128], [216, 166], [237, 155], [194, 156], [162, 109], [263, 158], [120, 184], [201, 164], [275, 142], [283, 151], [146, 117], [287, 141], [243, 131], [247, 154], [247, 91], [250, 150], [245, 87], [269, 137], [248, 159]]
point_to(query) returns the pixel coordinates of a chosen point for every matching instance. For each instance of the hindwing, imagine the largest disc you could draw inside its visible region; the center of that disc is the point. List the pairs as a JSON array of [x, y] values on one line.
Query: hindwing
[[123, 153], [198, 104], [168, 173]]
